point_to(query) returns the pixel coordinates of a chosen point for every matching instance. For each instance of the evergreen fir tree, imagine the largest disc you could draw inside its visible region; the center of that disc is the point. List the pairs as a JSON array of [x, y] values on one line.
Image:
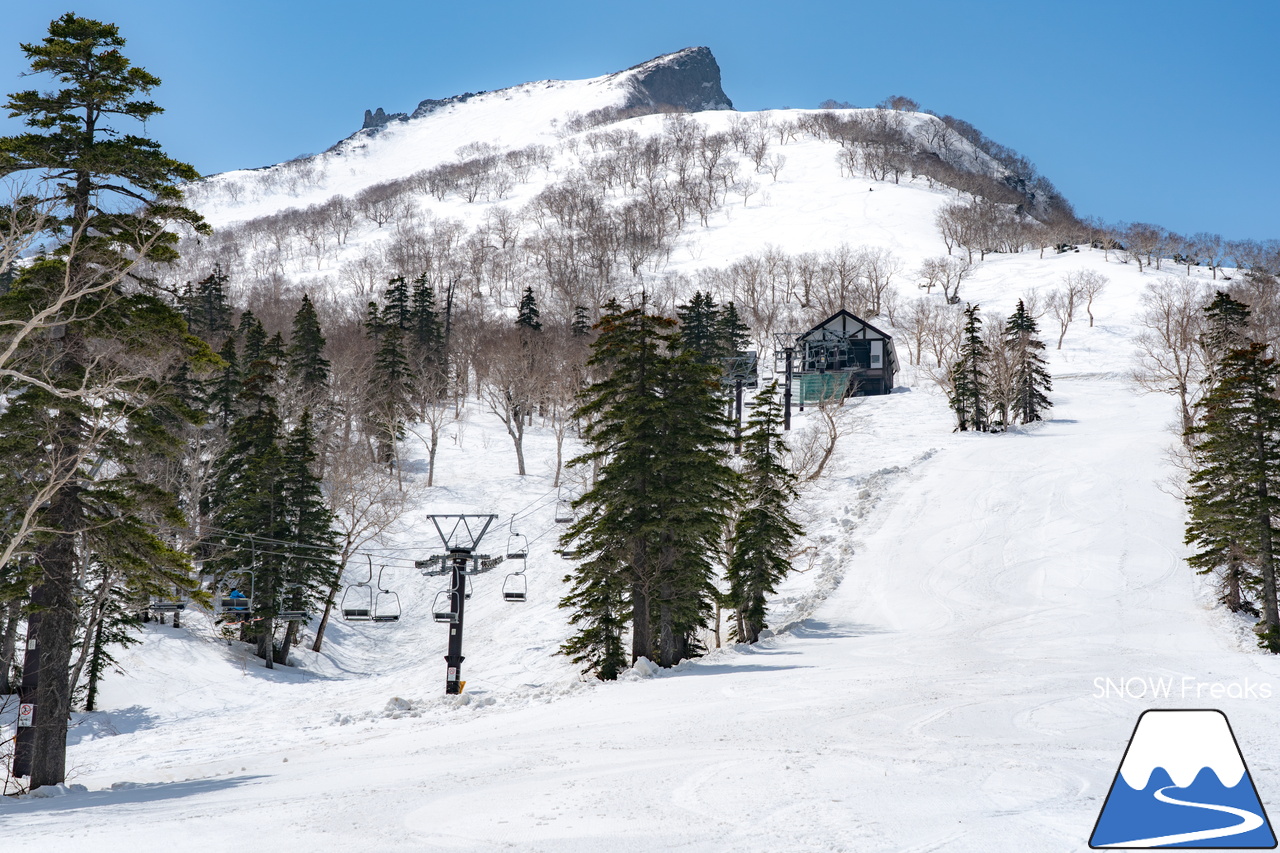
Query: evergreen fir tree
[[309, 566], [701, 329], [391, 392], [253, 337], [428, 333], [206, 306], [396, 308], [528, 314], [618, 523], [373, 324], [1030, 375], [115, 195], [1226, 329], [734, 334], [247, 505], [968, 376], [581, 325], [598, 597], [1226, 325], [307, 364], [1235, 488], [657, 509], [765, 532], [696, 490], [224, 389]]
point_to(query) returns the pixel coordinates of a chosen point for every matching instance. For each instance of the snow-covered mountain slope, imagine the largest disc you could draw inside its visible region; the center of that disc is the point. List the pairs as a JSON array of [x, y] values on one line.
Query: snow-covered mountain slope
[[934, 684]]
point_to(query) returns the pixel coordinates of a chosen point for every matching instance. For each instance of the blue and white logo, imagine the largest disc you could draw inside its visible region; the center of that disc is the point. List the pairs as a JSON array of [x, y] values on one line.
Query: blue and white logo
[[1183, 783]]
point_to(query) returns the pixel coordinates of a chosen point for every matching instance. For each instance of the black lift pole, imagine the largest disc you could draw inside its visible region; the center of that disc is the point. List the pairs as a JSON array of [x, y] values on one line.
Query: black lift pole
[[458, 559], [461, 535]]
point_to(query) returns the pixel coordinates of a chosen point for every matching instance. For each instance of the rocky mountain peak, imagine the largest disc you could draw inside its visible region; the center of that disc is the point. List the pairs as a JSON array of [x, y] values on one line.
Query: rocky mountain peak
[[688, 78]]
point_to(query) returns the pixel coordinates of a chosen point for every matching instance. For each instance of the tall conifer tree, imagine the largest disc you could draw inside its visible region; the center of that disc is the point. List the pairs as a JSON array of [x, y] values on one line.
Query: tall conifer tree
[[657, 509], [969, 376], [765, 532], [116, 195], [1235, 489], [1030, 375]]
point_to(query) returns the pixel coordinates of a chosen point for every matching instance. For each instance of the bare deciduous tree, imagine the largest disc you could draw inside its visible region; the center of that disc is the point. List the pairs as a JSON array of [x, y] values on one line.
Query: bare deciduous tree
[[1169, 358]]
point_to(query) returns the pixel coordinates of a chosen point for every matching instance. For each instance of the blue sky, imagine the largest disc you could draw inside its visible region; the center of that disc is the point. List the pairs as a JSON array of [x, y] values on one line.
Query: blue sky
[[1164, 112]]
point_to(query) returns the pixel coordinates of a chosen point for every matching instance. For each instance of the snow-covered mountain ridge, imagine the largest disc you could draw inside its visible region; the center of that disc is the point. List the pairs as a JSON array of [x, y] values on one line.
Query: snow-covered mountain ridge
[[687, 79], [395, 146]]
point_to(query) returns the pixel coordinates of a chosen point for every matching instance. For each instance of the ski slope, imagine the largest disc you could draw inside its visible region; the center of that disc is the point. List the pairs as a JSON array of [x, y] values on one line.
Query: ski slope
[[941, 696], [933, 681]]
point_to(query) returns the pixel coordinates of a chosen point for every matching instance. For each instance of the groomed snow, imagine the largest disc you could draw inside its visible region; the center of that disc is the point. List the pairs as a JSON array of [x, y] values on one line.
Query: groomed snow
[[933, 685]]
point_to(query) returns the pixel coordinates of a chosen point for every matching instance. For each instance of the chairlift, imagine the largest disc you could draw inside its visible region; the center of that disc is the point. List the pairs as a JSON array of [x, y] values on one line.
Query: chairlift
[[515, 588], [291, 614], [386, 606], [517, 546], [442, 610], [234, 604], [167, 605], [564, 511], [357, 599]]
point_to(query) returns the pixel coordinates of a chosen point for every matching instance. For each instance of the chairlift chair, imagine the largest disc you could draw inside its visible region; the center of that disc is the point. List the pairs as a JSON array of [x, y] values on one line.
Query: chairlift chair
[[292, 614], [517, 547], [357, 600], [160, 605], [232, 606], [442, 611], [564, 511], [386, 605], [515, 588]]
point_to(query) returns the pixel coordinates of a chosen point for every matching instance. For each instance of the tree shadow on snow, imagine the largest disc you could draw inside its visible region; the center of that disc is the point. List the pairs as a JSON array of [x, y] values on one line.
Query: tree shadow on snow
[[815, 629], [731, 668], [96, 724], [126, 794]]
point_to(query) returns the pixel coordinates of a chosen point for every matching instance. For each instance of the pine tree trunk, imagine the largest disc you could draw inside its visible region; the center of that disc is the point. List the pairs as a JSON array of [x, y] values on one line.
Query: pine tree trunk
[[55, 636], [95, 669], [266, 642], [1233, 597], [290, 635], [641, 638], [666, 636], [1267, 563]]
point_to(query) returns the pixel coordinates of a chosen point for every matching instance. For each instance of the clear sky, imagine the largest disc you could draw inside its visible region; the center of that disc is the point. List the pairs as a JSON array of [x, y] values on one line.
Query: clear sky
[[1163, 111]]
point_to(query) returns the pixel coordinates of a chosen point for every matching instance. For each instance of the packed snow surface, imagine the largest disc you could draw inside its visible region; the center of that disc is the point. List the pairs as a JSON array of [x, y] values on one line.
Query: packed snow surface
[[941, 667], [942, 696]]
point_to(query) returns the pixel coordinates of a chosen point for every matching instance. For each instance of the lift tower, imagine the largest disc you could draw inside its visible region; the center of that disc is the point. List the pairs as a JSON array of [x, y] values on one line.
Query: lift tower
[[461, 535]]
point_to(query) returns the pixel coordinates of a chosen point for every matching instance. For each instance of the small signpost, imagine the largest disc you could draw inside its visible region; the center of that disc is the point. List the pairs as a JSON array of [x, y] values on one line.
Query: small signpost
[[25, 715]]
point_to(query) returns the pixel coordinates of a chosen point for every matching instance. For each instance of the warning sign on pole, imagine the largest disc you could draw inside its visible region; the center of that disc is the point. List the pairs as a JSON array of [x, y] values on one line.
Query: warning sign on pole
[[25, 715]]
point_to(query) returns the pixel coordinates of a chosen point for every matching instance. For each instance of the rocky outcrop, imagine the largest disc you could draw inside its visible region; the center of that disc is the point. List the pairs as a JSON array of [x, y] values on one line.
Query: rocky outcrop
[[430, 105], [378, 118], [688, 79]]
